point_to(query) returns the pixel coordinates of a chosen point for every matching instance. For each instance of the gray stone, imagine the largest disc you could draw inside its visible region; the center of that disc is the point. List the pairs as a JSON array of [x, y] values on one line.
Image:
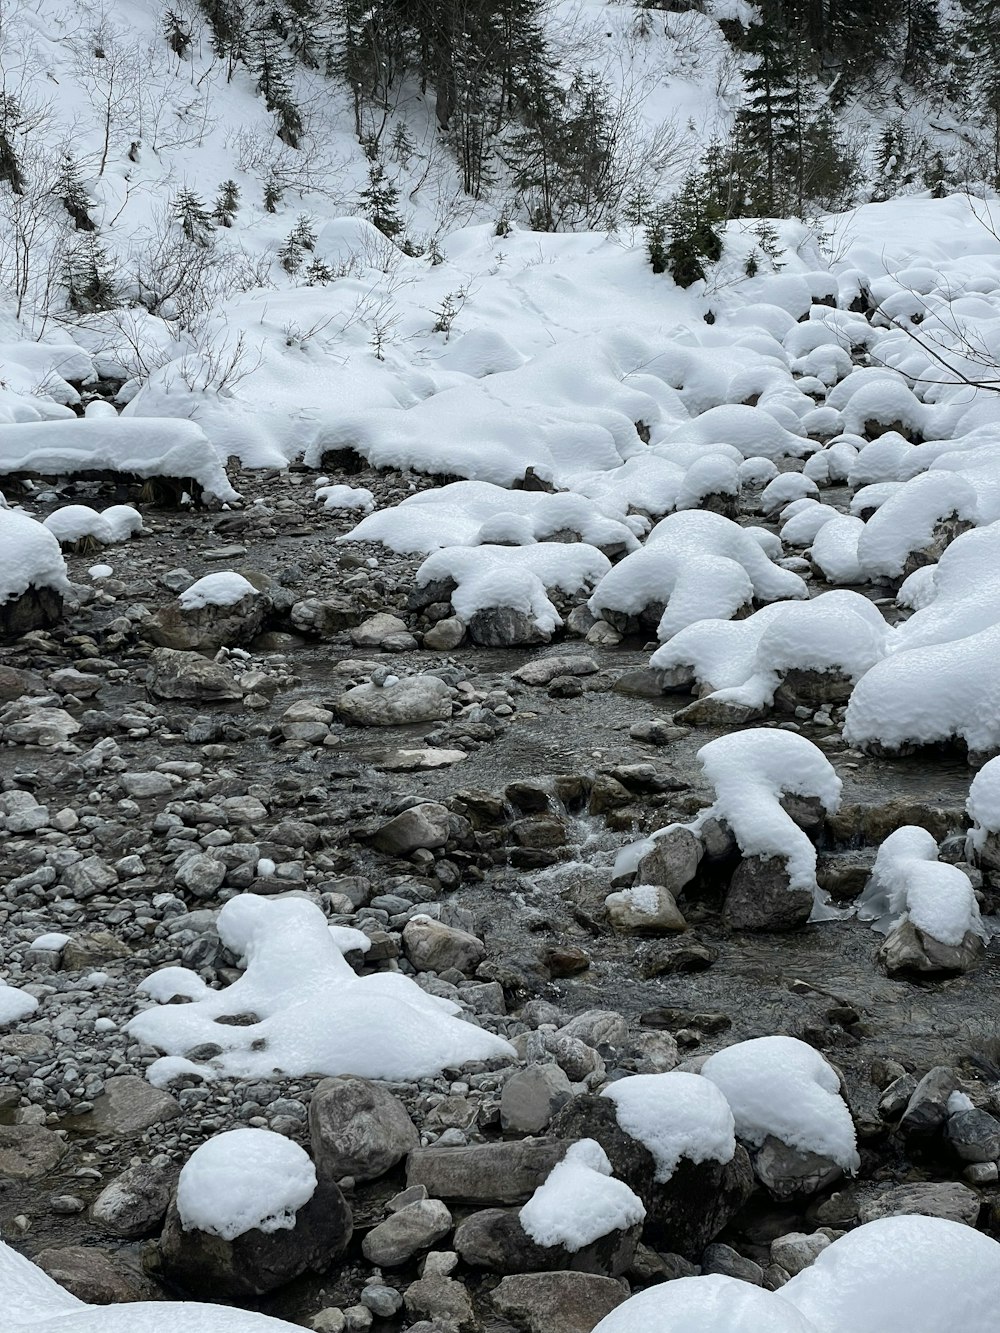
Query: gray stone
[[200, 874], [557, 1302], [788, 1173], [532, 1096], [948, 1199], [29, 1151], [358, 1129], [445, 635], [85, 879], [796, 1250], [129, 1105], [495, 1240], [645, 909], [505, 627], [406, 1232], [927, 1110], [597, 1027], [485, 1173], [185, 675], [718, 1258], [135, 1203], [441, 1299], [325, 617], [433, 947], [543, 670], [760, 897], [673, 861], [206, 629], [374, 631], [974, 1136], [908, 949], [412, 699], [93, 1276], [142, 786], [424, 825]]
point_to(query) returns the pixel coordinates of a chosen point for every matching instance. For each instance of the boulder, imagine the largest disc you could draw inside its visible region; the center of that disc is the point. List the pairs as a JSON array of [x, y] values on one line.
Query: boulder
[[673, 861], [35, 608], [948, 1199], [485, 1173], [410, 700], [422, 826], [531, 1097], [174, 674], [129, 1105], [557, 1302], [29, 1151], [206, 629], [908, 949], [407, 1232], [645, 909], [543, 670], [760, 897], [135, 1203], [358, 1129], [789, 1173], [257, 1261], [974, 1136], [494, 1239], [433, 947], [505, 627], [95, 1277]]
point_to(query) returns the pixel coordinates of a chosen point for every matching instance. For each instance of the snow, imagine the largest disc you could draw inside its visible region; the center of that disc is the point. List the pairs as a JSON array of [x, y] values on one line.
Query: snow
[[713, 1304], [30, 557], [124, 521], [750, 771], [906, 522], [244, 1180], [983, 805], [339, 497], [580, 1201], [34, 1303], [15, 1004], [315, 1016], [907, 1274], [784, 488], [834, 550], [674, 1115], [909, 882], [145, 448], [779, 1087], [223, 588], [74, 522]]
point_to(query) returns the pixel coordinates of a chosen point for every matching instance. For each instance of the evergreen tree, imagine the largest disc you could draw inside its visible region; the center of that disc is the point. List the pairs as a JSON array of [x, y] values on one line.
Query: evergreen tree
[[194, 219], [272, 195], [304, 233], [380, 198], [226, 204], [73, 196], [268, 60], [980, 34], [691, 222], [177, 32], [89, 279], [10, 122]]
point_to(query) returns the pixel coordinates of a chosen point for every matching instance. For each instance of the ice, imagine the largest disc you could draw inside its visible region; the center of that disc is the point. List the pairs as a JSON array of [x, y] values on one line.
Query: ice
[[782, 1088], [580, 1201], [30, 556], [750, 771], [34, 1303], [224, 588], [244, 1180], [674, 1115], [908, 881], [314, 1015]]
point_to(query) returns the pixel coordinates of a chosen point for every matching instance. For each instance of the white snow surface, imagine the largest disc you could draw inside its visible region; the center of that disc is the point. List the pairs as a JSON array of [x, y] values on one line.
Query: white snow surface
[[346, 497], [712, 1304], [580, 1201], [15, 1004], [30, 556], [223, 588], [73, 522], [781, 1087], [315, 1015], [674, 1115], [34, 1303], [908, 880], [983, 804], [750, 771], [244, 1180]]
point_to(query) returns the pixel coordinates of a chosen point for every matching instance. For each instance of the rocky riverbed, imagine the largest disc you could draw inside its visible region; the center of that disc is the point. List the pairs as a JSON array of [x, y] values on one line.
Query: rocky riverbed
[[466, 820]]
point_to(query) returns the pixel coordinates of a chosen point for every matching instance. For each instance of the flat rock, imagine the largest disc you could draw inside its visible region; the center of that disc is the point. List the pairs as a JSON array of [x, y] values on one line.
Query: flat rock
[[948, 1199], [406, 1232], [129, 1105], [502, 1173], [412, 699], [174, 674], [29, 1151], [557, 1302], [543, 670]]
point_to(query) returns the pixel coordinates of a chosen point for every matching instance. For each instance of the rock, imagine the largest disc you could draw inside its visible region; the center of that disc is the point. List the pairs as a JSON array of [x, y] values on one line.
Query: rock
[[644, 909], [29, 1151], [358, 1129], [974, 1136], [143, 786], [442, 1300], [200, 874], [505, 627], [35, 608], [445, 635], [129, 1105], [374, 631], [543, 670], [406, 1232], [927, 1110], [494, 1239], [907, 949], [433, 947], [412, 699], [596, 1028], [791, 1172], [174, 674], [85, 951], [416, 760], [324, 617], [531, 1097], [683, 1213], [45, 727], [306, 721], [92, 1276], [16, 682], [760, 897], [796, 1250], [89, 877], [673, 861], [724, 1259], [257, 1261], [557, 1302], [949, 1199], [135, 1203], [206, 629], [662, 958], [424, 825], [490, 1173]]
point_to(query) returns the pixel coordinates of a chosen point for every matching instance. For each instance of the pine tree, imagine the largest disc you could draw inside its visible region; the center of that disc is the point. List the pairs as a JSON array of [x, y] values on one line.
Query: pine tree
[[381, 197], [691, 222], [269, 61], [272, 195], [226, 204], [88, 275], [194, 219], [177, 32], [304, 232], [980, 34], [10, 122], [73, 196]]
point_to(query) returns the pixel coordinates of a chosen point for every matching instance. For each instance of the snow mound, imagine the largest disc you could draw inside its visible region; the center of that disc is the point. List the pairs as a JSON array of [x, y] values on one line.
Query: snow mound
[[471, 513], [223, 588], [33, 1303], [674, 1115], [697, 564], [580, 1201], [74, 522], [908, 881], [801, 527], [906, 523], [15, 1004], [751, 430], [314, 1015], [337, 498], [30, 556], [144, 447], [516, 576], [751, 771], [779, 1087], [713, 1304], [124, 522], [983, 805], [834, 551], [244, 1180], [902, 1275]]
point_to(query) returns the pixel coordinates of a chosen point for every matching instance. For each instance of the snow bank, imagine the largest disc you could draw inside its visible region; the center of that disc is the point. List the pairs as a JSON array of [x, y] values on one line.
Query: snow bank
[[713, 1304], [834, 550], [144, 447], [224, 588], [34, 1303], [74, 522], [751, 771], [779, 1087], [752, 430], [902, 1275], [244, 1180], [315, 1016], [983, 805], [580, 1201], [30, 556], [906, 522], [674, 1115], [515, 576], [908, 881], [699, 564]]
